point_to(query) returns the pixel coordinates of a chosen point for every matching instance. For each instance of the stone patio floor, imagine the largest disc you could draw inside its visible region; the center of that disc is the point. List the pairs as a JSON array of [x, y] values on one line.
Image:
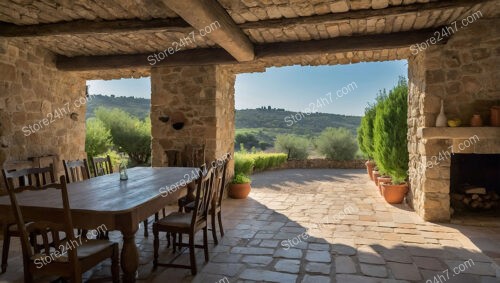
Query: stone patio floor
[[323, 225]]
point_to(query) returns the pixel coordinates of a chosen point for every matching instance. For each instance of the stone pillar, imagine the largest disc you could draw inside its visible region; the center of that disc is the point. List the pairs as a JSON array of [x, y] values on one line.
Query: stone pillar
[[36, 101], [205, 96]]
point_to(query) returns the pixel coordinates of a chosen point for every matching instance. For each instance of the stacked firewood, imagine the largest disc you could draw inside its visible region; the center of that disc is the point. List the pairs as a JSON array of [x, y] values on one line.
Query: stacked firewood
[[475, 198]]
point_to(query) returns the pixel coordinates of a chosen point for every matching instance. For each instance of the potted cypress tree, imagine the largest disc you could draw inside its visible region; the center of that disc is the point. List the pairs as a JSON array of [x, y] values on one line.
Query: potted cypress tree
[[391, 149], [365, 138]]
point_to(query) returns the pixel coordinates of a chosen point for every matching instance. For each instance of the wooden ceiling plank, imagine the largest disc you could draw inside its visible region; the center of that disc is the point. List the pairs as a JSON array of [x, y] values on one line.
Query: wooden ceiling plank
[[359, 14]]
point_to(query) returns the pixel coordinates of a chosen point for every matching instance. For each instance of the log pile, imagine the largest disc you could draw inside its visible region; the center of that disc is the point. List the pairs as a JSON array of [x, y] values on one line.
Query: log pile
[[476, 199]]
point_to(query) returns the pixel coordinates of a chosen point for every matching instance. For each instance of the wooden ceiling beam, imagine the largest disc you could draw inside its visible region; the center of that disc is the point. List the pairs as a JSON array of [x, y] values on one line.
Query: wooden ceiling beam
[[209, 16], [212, 56], [86, 27]]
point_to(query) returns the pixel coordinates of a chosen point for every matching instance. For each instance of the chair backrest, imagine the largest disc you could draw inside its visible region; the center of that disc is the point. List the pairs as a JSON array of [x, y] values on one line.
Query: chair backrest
[[49, 232], [76, 170], [11, 166], [173, 158], [220, 181], [195, 155], [35, 177], [102, 166], [204, 194]]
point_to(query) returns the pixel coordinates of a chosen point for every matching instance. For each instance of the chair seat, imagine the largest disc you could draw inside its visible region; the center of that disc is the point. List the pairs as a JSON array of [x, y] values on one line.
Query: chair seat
[[176, 219], [86, 249]]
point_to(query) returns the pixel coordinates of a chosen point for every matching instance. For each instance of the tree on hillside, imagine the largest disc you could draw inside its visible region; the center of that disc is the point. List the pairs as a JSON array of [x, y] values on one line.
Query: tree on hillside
[[295, 147], [130, 134], [337, 143], [98, 138]]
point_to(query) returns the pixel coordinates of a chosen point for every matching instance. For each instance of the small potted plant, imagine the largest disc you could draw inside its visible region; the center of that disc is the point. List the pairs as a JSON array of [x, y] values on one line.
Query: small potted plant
[[240, 185]]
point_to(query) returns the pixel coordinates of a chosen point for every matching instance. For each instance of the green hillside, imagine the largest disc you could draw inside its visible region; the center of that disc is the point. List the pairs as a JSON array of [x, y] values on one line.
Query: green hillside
[[264, 123], [138, 107]]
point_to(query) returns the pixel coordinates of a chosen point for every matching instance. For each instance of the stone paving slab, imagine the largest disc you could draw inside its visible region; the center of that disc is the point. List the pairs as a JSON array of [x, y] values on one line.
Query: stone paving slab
[[320, 226]]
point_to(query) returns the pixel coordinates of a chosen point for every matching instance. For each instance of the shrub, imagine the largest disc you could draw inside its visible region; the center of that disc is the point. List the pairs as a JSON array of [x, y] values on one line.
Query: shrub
[[97, 138], [246, 163], [337, 143], [241, 179], [129, 134], [294, 146], [390, 129], [243, 164]]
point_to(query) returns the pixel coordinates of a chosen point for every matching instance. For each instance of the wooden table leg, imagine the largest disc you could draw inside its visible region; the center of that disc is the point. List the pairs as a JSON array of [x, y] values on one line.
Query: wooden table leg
[[130, 256]]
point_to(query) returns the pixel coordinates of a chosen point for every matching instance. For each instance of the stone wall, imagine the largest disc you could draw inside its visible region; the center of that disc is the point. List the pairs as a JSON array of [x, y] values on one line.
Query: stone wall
[[205, 96], [465, 74], [31, 90]]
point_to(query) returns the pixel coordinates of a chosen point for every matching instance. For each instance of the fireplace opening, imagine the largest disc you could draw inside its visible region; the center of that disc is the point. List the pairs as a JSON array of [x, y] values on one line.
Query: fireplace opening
[[475, 184]]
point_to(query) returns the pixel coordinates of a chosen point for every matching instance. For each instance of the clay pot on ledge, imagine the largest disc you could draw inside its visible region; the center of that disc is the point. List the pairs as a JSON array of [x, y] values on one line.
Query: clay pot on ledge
[[383, 180], [476, 121], [369, 168], [375, 174], [394, 194]]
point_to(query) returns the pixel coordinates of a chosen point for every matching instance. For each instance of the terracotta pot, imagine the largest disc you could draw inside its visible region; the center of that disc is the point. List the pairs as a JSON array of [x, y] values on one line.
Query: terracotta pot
[[394, 193], [369, 168], [495, 116], [239, 191], [375, 174], [476, 120], [383, 180]]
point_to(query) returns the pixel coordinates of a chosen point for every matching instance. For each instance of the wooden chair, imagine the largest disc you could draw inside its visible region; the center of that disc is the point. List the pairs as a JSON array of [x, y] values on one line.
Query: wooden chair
[[188, 223], [216, 207], [194, 155], [35, 177], [219, 185], [102, 166], [69, 258], [174, 158], [76, 170]]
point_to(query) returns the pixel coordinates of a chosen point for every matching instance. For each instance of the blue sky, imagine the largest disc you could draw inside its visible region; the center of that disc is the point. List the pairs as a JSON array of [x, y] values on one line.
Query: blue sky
[[292, 88]]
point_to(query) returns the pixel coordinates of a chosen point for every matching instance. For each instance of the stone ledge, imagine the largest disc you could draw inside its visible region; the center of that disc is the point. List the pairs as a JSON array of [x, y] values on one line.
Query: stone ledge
[[458, 132]]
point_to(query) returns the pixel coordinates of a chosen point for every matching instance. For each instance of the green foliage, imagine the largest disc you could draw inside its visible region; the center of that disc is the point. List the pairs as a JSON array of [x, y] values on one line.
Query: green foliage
[[295, 147], [97, 138], [243, 164], [390, 130], [129, 134], [366, 128], [337, 143], [247, 139], [241, 179], [246, 163]]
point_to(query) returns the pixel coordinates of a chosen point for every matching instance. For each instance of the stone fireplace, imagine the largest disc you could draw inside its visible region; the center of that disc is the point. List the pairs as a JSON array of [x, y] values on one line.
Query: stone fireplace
[[464, 74]]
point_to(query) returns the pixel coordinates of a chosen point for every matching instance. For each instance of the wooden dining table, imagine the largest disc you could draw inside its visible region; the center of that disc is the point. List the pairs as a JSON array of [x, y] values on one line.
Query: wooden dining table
[[105, 200]]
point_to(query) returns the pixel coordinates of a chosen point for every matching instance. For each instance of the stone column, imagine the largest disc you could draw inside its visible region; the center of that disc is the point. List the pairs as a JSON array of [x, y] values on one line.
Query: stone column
[[205, 96]]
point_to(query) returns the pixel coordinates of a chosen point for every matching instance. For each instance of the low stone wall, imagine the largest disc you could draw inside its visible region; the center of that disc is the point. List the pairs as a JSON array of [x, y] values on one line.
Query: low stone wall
[[323, 163]]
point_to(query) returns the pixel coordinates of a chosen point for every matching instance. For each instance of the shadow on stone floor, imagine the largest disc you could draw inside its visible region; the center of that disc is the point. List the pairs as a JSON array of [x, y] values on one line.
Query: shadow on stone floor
[[263, 242]]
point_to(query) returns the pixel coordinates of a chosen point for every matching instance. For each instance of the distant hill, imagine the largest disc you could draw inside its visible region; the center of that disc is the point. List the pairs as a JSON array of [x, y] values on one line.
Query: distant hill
[[265, 122], [138, 107]]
